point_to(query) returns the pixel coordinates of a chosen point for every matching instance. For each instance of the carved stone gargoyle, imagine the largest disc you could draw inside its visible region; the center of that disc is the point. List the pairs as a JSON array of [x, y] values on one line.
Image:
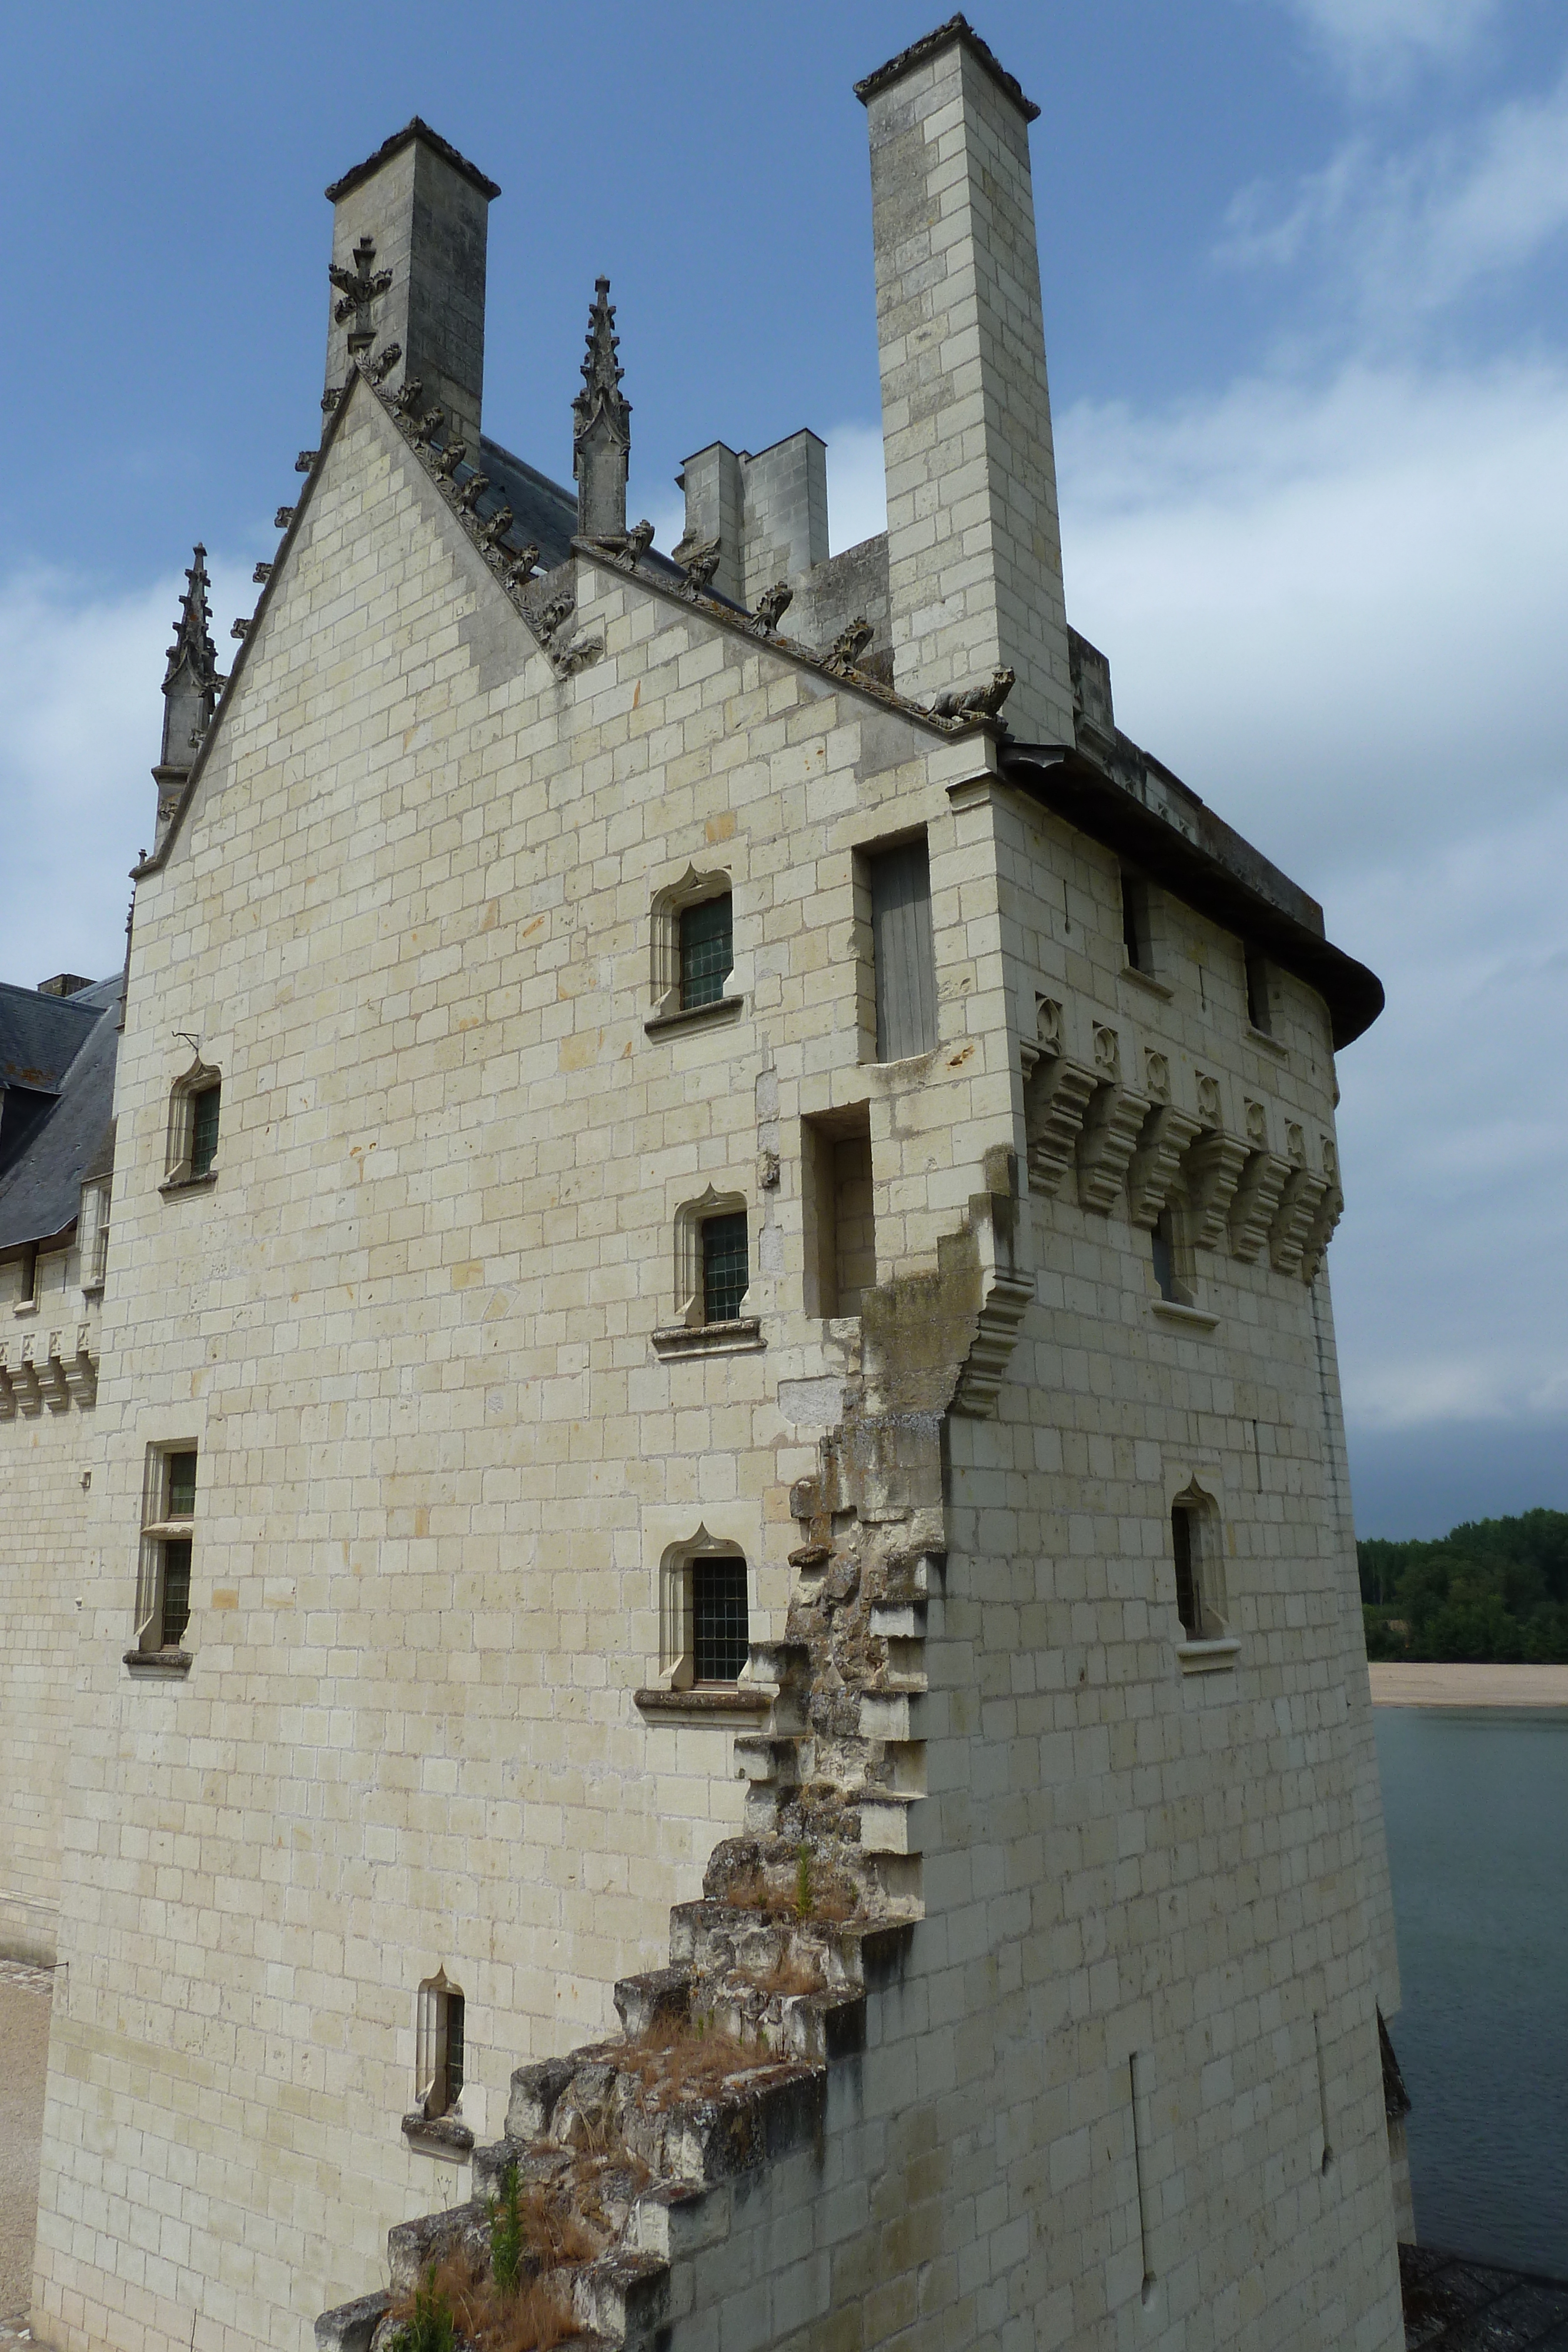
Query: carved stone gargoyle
[[849, 643], [975, 702], [772, 605]]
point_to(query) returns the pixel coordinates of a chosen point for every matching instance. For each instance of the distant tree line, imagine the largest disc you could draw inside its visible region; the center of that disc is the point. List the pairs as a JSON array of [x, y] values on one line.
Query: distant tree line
[[1493, 1589]]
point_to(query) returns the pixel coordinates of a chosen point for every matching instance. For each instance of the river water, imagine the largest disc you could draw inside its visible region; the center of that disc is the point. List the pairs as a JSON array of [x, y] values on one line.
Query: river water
[[1475, 1801]]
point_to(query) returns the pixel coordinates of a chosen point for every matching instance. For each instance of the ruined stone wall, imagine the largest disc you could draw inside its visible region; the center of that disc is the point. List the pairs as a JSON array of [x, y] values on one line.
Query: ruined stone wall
[[48, 1452], [410, 1330]]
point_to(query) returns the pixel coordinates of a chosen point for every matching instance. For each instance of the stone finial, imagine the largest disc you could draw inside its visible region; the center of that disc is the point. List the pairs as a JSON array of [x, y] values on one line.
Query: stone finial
[[191, 686], [601, 427], [359, 287]]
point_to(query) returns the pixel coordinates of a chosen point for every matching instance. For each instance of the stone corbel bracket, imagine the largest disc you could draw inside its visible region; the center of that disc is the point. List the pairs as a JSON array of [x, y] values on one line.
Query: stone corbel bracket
[[1154, 1179], [1112, 1126], [1258, 1193]]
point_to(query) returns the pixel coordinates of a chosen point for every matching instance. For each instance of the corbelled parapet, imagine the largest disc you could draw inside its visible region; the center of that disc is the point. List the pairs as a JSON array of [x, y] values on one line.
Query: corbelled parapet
[[409, 229], [973, 541], [601, 427]]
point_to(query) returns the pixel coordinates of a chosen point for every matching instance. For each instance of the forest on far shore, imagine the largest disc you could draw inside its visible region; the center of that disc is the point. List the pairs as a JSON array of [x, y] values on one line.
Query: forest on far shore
[[1493, 1589]]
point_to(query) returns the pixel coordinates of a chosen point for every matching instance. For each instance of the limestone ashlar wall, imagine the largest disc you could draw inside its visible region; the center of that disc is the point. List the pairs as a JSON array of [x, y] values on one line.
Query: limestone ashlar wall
[[409, 1330], [48, 1451], [1148, 1888]]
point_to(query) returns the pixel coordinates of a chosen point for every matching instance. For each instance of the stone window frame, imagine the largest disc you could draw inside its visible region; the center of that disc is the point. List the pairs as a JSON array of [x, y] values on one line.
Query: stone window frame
[[874, 997], [668, 904], [31, 1259], [435, 2124], [203, 1078], [1210, 1643], [93, 1230], [691, 1311], [677, 1611], [160, 1527]]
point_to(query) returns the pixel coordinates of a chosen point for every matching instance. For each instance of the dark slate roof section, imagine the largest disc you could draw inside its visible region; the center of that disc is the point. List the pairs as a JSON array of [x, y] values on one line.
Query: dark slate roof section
[[412, 129], [1204, 863], [543, 512], [39, 1196], [931, 45], [40, 1036]]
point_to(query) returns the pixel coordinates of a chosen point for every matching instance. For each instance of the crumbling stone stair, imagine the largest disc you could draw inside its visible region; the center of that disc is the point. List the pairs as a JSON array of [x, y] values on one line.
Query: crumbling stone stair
[[638, 2160], [630, 2147]]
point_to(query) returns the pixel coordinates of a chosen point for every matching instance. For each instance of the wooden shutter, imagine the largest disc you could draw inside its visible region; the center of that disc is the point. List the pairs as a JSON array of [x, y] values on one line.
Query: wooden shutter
[[903, 952]]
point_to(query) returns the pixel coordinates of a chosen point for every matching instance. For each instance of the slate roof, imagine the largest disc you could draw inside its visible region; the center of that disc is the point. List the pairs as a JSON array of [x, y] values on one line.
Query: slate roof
[[63, 1046], [543, 511]]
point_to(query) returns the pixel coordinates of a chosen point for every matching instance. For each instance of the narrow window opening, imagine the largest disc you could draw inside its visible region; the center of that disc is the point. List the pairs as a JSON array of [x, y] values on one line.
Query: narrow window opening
[[438, 2047], [726, 1268], [1188, 1602], [904, 956], [1138, 2178], [167, 1529], [204, 1130], [1258, 1011], [839, 1210], [706, 952], [1162, 1243], [29, 1293], [1136, 930], [721, 1623], [1326, 2160]]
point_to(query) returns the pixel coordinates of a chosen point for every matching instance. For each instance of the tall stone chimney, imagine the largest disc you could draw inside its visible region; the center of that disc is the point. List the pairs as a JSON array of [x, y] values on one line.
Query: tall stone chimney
[[424, 211], [973, 542]]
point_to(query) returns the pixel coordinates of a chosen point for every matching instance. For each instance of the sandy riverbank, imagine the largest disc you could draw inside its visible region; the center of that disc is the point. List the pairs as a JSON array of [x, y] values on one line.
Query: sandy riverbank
[[1397, 1684]]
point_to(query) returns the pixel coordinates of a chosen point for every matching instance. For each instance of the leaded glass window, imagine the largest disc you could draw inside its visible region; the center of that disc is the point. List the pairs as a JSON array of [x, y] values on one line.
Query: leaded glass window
[[204, 1130], [725, 1274], [707, 951], [721, 1624]]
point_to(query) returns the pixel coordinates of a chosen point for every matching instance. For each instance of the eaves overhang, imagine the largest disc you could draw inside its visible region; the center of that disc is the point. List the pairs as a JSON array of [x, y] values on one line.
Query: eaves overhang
[[1200, 873]]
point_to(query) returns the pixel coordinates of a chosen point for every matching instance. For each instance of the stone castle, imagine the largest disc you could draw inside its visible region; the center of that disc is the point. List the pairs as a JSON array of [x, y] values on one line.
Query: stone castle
[[675, 1509]]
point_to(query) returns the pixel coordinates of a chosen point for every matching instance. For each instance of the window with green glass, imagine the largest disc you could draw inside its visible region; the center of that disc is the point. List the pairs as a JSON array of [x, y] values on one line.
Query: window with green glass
[[721, 1624], [707, 951], [204, 1130], [725, 1274], [177, 1609]]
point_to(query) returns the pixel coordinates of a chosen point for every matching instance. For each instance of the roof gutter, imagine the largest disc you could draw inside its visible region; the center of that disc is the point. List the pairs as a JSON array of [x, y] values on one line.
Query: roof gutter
[[1074, 787]]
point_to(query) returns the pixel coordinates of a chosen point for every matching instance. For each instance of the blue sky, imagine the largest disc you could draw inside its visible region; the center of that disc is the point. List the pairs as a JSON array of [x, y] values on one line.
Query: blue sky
[[1304, 266]]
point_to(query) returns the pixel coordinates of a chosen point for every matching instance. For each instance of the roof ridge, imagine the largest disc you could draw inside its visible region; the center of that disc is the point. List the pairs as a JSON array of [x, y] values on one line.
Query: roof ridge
[[414, 127]]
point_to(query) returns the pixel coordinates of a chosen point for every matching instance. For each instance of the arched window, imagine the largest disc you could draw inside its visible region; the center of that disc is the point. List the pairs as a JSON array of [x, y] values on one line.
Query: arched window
[[1197, 1557], [194, 1106], [438, 2047], [704, 1612], [693, 945]]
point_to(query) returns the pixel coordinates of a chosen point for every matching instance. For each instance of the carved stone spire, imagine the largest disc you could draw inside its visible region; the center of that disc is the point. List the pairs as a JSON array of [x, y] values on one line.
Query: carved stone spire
[[602, 428], [190, 691]]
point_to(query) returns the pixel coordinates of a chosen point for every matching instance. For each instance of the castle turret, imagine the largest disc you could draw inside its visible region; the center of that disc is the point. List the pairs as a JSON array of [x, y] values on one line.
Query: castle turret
[[190, 691], [409, 229], [973, 543], [601, 427]]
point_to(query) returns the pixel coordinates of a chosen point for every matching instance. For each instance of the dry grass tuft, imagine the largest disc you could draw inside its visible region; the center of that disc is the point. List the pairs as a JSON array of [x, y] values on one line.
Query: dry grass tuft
[[674, 2066], [535, 2319], [800, 1974]]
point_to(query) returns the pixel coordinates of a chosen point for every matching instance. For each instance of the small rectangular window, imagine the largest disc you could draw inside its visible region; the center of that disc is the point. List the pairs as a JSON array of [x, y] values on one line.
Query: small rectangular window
[[28, 1295], [725, 1271], [903, 955], [839, 1213], [204, 1130], [1257, 1008], [721, 1624], [438, 2047], [1189, 1608], [707, 950], [168, 1517], [1163, 1244]]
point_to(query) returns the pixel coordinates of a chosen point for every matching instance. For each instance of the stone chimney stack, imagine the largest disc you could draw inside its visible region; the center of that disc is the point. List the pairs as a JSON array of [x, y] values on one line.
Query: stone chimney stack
[[190, 692], [424, 211], [973, 542]]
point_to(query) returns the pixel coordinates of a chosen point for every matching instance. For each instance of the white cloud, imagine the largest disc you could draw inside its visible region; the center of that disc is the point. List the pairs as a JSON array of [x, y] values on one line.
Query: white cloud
[[1340, 614], [1371, 41], [80, 680], [1398, 236]]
